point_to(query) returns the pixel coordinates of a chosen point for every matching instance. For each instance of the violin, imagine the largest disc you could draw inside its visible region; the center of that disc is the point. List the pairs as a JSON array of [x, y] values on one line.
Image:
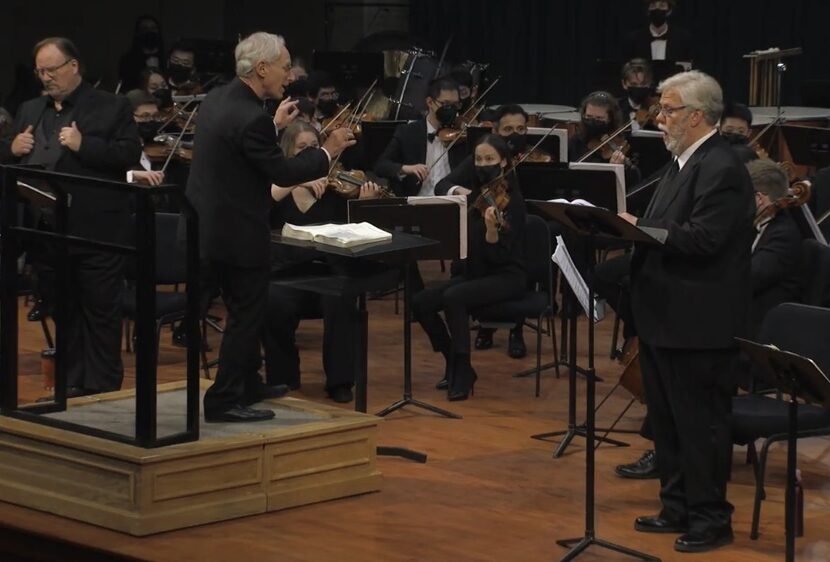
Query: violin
[[350, 119], [494, 194], [647, 114], [607, 145], [457, 131], [797, 195], [538, 155], [160, 152], [347, 184]]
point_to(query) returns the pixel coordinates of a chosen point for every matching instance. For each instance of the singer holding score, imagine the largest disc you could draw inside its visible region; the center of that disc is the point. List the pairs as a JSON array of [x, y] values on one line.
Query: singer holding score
[[690, 298], [236, 159]]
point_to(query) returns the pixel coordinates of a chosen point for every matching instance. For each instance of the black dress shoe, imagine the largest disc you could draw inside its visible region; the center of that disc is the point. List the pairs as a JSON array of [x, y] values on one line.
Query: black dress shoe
[[77, 391], [179, 339], [644, 469], [265, 392], [443, 384], [705, 541], [659, 524], [239, 413], [516, 347], [484, 338], [463, 380], [37, 313], [341, 394]]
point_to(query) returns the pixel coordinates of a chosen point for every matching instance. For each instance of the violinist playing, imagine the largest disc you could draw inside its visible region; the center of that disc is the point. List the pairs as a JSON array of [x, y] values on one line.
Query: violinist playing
[[148, 121], [638, 83], [600, 115], [492, 272], [183, 77], [308, 203], [322, 91]]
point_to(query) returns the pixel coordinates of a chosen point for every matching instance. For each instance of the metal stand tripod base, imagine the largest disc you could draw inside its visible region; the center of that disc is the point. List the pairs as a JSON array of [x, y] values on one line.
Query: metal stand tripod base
[[409, 401], [408, 454], [553, 365], [580, 545], [569, 434]]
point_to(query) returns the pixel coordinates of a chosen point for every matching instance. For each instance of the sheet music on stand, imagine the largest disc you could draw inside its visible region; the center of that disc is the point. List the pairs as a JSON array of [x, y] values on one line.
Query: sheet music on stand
[[562, 258], [461, 201]]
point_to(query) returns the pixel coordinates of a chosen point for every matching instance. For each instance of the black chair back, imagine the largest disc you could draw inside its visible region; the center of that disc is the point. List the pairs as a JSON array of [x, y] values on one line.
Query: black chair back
[[800, 329]]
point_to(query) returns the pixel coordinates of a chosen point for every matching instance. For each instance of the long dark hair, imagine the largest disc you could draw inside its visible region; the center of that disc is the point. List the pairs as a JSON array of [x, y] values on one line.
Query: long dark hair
[[503, 151]]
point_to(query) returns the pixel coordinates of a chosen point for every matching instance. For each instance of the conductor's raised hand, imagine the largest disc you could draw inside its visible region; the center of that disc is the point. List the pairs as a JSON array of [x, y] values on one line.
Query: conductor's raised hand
[[338, 141], [287, 111], [23, 143]]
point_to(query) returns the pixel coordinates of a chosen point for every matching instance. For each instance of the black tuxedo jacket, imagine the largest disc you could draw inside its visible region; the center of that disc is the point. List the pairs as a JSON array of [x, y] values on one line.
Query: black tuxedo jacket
[[464, 174], [109, 147], [409, 146], [678, 44], [694, 291], [236, 158], [775, 267]]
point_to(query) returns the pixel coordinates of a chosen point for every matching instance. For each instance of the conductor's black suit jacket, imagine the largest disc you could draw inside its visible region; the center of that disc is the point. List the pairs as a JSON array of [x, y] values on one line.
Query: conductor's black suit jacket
[[694, 292], [236, 158]]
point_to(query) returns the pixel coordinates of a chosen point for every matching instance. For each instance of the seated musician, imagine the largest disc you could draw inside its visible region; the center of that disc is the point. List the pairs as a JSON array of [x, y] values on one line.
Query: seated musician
[[736, 127], [415, 159], [306, 204], [492, 272], [638, 83], [600, 115], [467, 90], [510, 124], [657, 41], [322, 91], [183, 77], [148, 121]]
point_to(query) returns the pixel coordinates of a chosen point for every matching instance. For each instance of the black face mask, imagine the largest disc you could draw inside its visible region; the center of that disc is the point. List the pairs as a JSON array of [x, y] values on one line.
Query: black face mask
[[149, 40], [148, 130], [488, 173], [735, 138], [446, 115], [594, 128], [638, 94], [516, 142], [327, 108], [165, 99], [658, 17], [179, 73]]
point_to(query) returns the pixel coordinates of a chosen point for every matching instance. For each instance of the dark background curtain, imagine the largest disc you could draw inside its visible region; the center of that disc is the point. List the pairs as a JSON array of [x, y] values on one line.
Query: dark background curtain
[[545, 50]]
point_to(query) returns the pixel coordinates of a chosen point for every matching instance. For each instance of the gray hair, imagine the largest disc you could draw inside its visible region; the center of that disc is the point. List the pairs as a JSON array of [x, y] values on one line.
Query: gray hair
[[698, 91], [257, 47], [768, 178]]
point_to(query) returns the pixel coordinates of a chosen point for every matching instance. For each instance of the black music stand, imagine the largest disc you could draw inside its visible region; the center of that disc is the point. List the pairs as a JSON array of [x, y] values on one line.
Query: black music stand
[[799, 377], [436, 222], [809, 146], [592, 223], [399, 248]]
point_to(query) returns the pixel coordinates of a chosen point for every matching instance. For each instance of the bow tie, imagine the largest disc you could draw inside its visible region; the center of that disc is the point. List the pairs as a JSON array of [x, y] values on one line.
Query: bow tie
[[431, 136]]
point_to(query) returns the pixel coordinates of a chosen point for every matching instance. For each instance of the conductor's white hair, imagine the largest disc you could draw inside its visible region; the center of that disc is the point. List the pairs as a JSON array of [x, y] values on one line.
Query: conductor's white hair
[[697, 90], [257, 47]]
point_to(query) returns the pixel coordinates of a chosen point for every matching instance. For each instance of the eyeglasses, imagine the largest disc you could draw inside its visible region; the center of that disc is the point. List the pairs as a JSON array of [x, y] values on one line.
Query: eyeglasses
[[669, 111], [181, 62], [50, 70], [145, 117]]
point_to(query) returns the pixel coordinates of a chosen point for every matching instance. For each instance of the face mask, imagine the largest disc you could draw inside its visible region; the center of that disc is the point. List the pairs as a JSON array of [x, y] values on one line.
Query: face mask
[[658, 17], [638, 94], [149, 40], [179, 73], [486, 174], [148, 130], [164, 98], [446, 115], [734, 138], [594, 128], [516, 142], [327, 108]]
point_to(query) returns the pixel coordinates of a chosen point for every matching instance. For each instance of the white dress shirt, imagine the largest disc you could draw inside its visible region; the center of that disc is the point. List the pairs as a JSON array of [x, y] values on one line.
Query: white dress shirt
[[683, 158], [658, 44], [437, 161]]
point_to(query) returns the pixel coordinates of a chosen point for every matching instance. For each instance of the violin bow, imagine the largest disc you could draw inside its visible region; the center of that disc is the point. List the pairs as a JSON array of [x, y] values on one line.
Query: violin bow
[[452, 143], [178, 140]]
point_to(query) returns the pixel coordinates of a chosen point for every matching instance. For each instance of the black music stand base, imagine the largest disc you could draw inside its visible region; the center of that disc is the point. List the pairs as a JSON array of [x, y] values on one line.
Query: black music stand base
[[578, 431], [409, 401], [407, 454], [580, 545]]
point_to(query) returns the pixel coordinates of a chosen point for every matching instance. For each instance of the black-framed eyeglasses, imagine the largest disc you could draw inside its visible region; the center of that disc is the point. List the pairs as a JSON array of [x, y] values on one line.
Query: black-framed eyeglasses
[[669, 111], [50, 70]]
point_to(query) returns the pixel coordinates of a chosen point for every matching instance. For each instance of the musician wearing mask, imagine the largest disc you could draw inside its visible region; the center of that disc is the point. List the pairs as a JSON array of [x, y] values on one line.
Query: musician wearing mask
[[147, 51], [308, 203], [690, 300], [467, 90], [236, 158], [657, 41], [492, 272], [183, 77], [322, 91], [76, 129], [600, 115], [777, 245], [148, 121], [416, 159], [638, 83]]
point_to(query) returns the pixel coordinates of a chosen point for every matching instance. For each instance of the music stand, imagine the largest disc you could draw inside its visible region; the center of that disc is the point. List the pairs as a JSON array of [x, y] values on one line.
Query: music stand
[[799, 377], [592, 223], [436, 222], [809, 146]]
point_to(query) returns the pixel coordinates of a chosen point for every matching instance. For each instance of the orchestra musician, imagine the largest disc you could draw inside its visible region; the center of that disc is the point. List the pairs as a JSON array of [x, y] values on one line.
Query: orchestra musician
[[415, 159], [77, 129], [183, 77], [638, 83], [690, 299], [492, 272], [236, 158], [309, 203], [322, 91], [656, 41], [147, 51], [148, 121]]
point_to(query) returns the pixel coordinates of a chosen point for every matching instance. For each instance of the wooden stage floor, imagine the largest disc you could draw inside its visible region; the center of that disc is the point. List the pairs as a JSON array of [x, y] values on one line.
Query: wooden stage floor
[[487, 492]]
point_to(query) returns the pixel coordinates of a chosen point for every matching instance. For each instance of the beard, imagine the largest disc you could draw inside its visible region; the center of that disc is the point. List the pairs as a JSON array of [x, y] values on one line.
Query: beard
[[673, 136]]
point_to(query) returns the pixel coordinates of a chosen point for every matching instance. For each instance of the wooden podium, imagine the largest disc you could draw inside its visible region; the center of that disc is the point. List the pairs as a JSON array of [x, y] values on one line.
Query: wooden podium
[[763, 88]]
